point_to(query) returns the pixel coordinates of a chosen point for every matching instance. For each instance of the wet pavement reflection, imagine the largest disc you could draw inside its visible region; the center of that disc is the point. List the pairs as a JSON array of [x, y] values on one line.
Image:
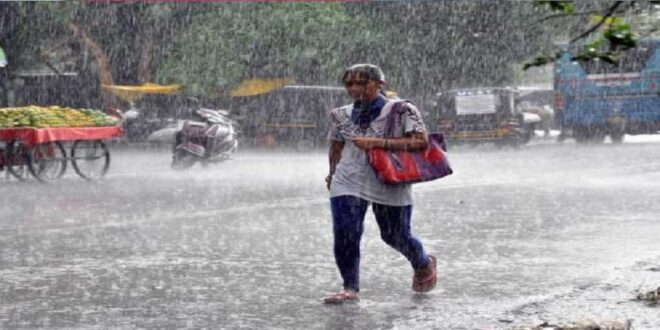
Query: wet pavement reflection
[[543, 233]]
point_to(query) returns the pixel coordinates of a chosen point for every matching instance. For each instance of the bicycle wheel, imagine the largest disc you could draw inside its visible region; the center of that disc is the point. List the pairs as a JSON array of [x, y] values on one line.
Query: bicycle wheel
[[16, 159], [47, 161], [90, 158]]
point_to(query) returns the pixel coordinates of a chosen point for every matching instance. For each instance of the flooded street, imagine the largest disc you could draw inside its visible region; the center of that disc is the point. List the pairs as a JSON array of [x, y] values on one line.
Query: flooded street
[[548, 232], [530, 230]]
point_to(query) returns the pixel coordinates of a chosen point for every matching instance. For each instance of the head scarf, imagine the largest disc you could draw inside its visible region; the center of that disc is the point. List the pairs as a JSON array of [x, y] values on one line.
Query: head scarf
[[365, 112]]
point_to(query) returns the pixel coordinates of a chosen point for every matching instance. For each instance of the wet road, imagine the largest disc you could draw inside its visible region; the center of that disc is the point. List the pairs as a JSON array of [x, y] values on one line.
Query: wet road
[[545, 233]]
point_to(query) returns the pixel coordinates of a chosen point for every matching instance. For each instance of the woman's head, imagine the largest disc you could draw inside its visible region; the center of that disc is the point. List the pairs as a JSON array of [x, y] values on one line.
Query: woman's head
[[367, 71], [363, 81]]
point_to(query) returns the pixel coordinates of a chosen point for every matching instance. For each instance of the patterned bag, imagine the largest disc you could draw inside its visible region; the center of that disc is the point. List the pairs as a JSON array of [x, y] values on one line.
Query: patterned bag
[[394, 167]]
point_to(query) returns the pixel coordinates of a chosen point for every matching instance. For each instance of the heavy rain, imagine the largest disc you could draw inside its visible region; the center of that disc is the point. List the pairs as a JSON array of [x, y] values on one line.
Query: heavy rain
[[163, 163]]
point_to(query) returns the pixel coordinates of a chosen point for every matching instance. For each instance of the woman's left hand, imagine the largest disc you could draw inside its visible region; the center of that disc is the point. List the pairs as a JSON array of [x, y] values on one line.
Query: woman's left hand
[[366, 143]]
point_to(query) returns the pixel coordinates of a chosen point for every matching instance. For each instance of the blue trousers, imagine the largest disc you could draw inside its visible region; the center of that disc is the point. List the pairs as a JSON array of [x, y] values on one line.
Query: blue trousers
[[348, 214]]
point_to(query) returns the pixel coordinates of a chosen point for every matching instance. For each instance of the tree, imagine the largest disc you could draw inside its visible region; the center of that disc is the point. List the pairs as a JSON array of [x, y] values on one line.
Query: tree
[[422, 46], [122, 38], [608, 33], [451, 44], [209, 48], [227, 44]]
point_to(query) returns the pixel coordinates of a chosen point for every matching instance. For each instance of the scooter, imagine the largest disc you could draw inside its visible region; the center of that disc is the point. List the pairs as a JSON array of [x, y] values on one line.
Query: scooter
[[209, 137]]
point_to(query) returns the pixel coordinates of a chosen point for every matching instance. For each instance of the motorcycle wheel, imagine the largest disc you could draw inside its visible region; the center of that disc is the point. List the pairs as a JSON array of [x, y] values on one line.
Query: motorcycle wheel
[[182, 160]]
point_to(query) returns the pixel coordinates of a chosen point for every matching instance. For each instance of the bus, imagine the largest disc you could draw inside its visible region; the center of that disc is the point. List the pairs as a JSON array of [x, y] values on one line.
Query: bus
[[596, 99]]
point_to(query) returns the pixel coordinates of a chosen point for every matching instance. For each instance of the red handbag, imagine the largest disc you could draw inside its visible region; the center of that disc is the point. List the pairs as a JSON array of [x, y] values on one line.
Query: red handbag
[[396, 167]]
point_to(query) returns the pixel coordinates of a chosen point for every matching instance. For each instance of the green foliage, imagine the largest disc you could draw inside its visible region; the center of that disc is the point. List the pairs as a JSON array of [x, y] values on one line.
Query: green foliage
[[29, 36], [210, 48], [615, 39], [620, 37], [447, 44], [541, 60], [231, 43], [565, 7], [614, 36]]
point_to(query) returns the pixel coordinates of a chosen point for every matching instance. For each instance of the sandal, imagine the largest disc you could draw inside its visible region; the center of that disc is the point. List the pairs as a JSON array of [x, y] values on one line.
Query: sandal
[[423, 280], [343, 296]]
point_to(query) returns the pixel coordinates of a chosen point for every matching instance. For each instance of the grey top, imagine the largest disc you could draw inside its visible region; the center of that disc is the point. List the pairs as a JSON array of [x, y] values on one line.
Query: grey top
[[353, 175]]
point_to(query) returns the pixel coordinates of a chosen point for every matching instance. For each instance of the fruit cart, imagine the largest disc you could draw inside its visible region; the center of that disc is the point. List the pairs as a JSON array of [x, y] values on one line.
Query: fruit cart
[[40, 150]]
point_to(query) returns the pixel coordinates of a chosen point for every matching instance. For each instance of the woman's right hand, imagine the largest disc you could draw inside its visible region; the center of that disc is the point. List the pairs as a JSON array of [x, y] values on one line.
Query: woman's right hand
[[366, 143], [328, 180]]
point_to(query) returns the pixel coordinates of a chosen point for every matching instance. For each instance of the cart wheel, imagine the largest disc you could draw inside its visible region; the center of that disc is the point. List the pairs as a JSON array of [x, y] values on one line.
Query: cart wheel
[[90, 158], [47, 161], [16, 159]]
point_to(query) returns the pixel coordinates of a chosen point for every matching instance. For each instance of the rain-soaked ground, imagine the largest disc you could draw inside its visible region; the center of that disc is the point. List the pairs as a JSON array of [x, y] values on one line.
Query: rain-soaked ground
[[549, 232]]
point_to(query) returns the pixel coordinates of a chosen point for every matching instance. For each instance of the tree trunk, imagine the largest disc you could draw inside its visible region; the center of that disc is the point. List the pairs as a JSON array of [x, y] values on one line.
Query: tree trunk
[[102, 63], [146, 58]]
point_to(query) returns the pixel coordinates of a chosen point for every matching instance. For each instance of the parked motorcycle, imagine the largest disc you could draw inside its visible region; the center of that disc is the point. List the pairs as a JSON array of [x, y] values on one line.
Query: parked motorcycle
[[208, 137]]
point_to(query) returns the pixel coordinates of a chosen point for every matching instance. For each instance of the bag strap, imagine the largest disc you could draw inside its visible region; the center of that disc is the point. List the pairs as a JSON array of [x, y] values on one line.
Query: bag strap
[[391, 117]]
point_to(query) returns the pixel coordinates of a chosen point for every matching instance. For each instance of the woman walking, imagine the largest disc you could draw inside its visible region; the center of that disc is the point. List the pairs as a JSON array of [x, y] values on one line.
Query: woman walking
[[354, 186]]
